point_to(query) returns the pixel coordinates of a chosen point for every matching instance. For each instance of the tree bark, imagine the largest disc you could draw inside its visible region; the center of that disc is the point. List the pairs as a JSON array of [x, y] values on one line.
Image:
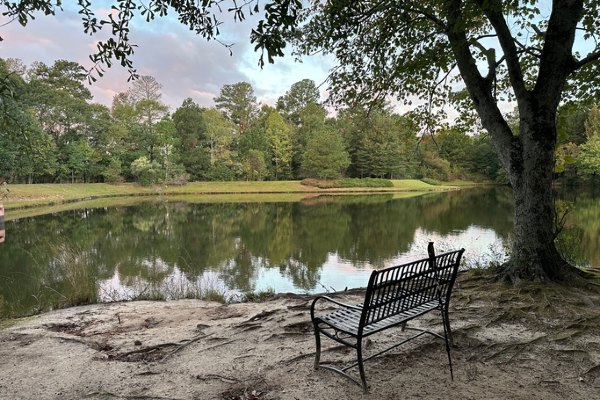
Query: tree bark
[[527, 157], [533, 253]]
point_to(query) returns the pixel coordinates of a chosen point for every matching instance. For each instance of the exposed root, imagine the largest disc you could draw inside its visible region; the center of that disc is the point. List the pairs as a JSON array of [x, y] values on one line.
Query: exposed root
[[104, 394], [514, 348], [221, 378], [181, 347], [151, 353], [545, 270], [306, 355]]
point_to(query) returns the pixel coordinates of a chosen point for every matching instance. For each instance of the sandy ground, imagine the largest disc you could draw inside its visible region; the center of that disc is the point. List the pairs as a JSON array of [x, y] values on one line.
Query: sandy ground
[[510, 344]]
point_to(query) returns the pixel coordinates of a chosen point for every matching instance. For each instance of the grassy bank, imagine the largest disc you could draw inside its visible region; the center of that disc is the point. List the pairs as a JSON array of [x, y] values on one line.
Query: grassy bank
[[25, 196]]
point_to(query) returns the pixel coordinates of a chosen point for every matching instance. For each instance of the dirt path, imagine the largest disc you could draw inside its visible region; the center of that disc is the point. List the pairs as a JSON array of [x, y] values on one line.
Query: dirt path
[[510, 344]]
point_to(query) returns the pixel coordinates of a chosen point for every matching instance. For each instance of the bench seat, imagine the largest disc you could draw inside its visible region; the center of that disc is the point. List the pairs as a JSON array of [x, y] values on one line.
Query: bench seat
[[347, 320], [393, 297]]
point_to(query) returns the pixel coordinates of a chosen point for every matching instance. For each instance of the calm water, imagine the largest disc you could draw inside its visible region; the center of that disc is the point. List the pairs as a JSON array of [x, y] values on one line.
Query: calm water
[[181, 249]]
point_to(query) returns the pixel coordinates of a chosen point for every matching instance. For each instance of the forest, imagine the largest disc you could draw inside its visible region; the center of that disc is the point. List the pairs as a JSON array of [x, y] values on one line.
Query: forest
[[53, 131]]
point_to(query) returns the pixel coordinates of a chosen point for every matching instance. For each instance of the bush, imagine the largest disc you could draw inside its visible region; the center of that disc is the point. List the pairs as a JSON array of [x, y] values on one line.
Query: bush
[[112, 172], [431, 181], [146, 172], [178, 175], [4, 191], [347, 183], [367, 182]]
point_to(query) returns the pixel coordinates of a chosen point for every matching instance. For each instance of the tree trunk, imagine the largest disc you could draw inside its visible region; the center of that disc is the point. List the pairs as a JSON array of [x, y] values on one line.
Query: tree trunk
[[533, 254]]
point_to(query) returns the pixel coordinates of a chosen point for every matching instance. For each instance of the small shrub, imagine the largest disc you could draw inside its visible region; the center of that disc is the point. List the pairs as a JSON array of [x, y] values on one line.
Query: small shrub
[[258, 297], [347, 183], [320, 183], [366, 182], [214, 295], [178, 175], [146, 172], [74, 282], [4, 191]]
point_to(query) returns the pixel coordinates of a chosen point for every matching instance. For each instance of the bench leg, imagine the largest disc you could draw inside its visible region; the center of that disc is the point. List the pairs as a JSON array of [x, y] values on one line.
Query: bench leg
[[448, 330], [361, 368], [318, 345], [447, 338]]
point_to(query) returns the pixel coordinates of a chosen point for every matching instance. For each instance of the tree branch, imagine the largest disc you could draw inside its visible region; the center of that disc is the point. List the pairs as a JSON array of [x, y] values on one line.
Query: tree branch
[[557, 60], [588, 59], [429, 16], [531, 50], [494, 14], [478, 87], [490, 55]]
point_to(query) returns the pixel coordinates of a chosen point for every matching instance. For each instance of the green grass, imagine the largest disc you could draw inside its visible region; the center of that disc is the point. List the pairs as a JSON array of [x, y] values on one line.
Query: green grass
[[258, 297], [25, 196]]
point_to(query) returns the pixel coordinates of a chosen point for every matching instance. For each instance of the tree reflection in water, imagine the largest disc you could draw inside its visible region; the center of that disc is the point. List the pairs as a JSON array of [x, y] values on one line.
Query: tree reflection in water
[[182, 249]]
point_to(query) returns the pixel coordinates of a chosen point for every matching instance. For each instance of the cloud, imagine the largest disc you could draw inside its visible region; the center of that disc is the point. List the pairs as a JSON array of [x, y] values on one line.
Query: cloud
[[185, 64]]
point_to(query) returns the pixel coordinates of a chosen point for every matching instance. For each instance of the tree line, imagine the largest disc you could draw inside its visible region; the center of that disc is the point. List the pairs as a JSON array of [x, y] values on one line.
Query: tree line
[[52, 131]]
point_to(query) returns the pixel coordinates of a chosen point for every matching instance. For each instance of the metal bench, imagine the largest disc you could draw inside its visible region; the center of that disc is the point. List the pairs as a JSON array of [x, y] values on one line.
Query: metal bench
[[393, 297]]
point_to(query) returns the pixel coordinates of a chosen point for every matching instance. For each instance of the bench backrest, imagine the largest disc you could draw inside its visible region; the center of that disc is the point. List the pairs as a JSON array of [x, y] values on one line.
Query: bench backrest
[[395, 290]]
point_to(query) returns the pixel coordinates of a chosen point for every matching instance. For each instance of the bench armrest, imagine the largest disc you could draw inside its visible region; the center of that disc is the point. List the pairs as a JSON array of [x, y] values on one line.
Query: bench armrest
[[329, 299]]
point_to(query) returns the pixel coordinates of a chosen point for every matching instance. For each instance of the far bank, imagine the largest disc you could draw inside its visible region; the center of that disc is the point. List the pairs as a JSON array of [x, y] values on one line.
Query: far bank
[[36, 195]]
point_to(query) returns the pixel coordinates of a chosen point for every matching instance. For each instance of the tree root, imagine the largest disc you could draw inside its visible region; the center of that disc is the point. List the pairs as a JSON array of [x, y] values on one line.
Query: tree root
[[555, 270], [518, 347], [224, 379], [132, 397], [302, 356], [218, 345], [181, 347], [144, 352]]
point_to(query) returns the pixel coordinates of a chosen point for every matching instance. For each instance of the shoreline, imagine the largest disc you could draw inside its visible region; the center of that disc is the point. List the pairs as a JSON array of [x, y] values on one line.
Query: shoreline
[[25, 196], [519, 343]]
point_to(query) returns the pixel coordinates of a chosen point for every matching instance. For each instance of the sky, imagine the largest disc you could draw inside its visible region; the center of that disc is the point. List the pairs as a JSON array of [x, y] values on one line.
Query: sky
[[185, 64]]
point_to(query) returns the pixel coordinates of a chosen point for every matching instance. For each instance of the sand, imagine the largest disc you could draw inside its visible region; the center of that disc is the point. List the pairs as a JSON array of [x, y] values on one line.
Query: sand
[[510, 343]]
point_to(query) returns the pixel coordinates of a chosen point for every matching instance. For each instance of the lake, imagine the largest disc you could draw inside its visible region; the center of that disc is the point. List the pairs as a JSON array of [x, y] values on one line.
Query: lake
[[176, 248]]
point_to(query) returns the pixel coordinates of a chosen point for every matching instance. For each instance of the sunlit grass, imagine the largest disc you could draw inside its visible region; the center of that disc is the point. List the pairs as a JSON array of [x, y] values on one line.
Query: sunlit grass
[[23, 196]]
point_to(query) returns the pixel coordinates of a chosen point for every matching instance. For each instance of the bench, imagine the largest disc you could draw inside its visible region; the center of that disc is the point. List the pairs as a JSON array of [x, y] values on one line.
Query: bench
[[393, 297]]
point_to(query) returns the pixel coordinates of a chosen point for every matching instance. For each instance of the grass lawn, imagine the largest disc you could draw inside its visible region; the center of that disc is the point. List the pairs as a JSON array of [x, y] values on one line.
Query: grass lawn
[[24, 196]]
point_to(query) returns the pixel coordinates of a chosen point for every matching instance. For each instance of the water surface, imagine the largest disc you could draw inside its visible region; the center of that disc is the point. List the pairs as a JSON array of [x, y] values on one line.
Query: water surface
[[173, 249]]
